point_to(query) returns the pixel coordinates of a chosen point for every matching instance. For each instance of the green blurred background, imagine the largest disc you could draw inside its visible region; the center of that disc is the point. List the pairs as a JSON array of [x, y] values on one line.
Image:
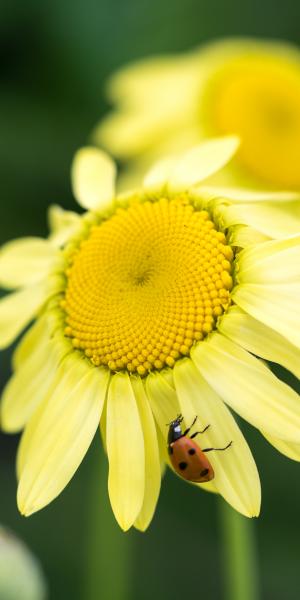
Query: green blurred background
[[55, 58]]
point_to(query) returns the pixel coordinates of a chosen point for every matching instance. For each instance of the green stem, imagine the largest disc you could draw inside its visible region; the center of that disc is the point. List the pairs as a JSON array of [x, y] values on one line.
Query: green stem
[[239, 555], [108, 550]]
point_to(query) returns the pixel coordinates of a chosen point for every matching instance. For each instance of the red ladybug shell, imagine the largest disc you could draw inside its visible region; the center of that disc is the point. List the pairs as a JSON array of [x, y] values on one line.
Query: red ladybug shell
[[189, 461]]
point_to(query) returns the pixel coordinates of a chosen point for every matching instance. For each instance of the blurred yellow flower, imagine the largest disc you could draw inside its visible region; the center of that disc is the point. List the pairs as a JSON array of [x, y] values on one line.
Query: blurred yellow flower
[[152, 303], [237, 86], [16, 558]]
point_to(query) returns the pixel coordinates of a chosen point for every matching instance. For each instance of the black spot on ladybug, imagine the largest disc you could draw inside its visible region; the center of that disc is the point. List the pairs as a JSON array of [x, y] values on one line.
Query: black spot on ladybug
[[204, 472], [182, 466], [170, 450], [192, 451]]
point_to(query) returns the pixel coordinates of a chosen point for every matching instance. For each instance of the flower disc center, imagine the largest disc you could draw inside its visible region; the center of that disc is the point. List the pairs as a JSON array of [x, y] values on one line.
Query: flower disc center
[[258, 98], [147, 284]]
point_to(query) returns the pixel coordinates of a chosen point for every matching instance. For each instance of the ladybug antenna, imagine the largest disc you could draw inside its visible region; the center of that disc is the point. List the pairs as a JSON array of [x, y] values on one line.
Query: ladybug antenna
[[178, 419]]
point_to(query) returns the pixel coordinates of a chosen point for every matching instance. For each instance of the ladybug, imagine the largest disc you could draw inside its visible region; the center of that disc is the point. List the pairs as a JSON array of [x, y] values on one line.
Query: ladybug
[[187, 458]]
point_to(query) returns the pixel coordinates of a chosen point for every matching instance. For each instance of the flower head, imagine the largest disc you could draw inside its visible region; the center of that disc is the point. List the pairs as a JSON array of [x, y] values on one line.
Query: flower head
[[246, 87], [153, 303]]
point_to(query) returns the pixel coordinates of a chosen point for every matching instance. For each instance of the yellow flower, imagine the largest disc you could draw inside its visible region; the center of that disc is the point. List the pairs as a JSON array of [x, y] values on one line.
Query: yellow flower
[[152, 303], [246, 87]]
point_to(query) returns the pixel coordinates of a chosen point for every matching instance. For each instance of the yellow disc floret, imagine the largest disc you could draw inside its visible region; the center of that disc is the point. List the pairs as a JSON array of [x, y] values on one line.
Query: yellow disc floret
[[146, 284], [258, 98]]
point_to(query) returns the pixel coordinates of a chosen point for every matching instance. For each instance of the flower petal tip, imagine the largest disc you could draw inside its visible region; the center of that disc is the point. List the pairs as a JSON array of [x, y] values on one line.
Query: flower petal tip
[[141, 529], [93, 176], [26, 511], [202, 161], [125, 526], [253, 512]]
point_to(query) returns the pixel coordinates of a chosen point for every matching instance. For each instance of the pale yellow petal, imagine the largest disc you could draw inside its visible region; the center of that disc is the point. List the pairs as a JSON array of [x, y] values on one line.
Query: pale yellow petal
[[128, 133], [236, 476], [202, 161], [243, 236], [273, 219], [145, 112], [165, 407], [25, 261], [152, 457], [38, 334], [28, 387], [102, 428], [244, 195], [17, 310], [152, 80], [289, 449], [268, 248], [157, 177], [63, 224], [163, 452], [93, 178], [249, 387], [69, 372], [277, 306], [222, 51], [125, 448], [271, 262], [163, 401], [259, 339], [48, 324], [60, 433]]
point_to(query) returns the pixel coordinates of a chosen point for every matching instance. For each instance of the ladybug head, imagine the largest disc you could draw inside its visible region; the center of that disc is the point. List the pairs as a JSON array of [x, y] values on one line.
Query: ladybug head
[[175, 431]]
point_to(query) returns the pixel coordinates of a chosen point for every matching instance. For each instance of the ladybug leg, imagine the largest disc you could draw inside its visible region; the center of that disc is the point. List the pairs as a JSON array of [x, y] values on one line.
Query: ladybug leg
[[209, 449], [190, 427], [196, 433]]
